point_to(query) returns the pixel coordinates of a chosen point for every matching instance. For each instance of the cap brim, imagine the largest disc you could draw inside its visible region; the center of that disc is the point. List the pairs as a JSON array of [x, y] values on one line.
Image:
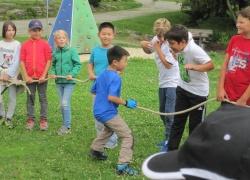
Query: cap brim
[[36, 28], [162, 166]]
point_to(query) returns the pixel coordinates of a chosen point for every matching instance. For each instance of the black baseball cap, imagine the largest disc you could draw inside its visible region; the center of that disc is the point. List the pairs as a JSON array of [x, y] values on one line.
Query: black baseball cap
[[35, 24], [219, 148]]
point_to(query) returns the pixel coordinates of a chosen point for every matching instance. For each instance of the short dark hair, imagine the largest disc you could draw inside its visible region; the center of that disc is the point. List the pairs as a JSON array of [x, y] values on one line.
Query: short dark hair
[[5, 28], [116, 53], [106, 25], [177, 33]]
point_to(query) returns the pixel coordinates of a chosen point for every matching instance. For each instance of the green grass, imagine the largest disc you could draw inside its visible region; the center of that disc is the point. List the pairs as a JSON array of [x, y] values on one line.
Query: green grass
[[110, 5], [131, 31], [44, 155], [27, 9]]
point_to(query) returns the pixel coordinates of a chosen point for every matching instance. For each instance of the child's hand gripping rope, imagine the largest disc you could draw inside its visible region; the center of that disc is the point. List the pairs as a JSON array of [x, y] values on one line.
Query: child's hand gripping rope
[[131, 103], [14, 82]]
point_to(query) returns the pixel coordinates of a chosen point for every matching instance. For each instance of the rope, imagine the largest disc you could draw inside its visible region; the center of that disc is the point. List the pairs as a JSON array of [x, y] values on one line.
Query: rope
[[78, 80], [65, 77], [23, 83], [232, 102], [15, 82], [186, 110]]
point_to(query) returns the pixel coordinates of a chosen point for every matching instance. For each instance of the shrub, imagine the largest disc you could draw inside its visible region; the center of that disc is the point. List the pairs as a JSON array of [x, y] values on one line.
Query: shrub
[[94, 3]]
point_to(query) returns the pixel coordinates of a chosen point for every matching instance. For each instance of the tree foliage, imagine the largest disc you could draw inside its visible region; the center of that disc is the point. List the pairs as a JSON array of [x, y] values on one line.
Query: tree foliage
[[202, 9], [94, 3]]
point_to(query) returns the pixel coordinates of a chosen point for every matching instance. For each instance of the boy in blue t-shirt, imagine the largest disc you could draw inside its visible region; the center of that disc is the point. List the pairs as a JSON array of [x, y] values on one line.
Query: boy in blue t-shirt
[[98, 62], [107, 89]]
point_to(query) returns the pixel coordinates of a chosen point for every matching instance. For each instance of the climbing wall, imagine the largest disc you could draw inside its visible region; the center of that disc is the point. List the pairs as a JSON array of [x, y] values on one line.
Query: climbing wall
[[76, 18]]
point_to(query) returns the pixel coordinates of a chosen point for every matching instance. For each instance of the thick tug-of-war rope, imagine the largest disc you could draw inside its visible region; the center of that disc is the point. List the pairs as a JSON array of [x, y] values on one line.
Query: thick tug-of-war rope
[[23, 83], [183, 111]]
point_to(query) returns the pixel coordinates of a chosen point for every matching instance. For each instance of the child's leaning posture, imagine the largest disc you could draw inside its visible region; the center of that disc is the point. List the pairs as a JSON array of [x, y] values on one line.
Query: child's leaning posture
[[234, 83], [65, 62], [35, 57], [168, 73], [9, 69], [98, 62], [193, 86], [107, 89]]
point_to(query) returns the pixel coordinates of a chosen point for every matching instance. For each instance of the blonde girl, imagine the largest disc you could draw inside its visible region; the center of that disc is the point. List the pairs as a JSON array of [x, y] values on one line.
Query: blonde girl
[[65, 62]]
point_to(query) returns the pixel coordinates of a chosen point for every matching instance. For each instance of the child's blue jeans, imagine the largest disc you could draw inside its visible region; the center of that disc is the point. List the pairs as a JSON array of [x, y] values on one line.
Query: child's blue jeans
[[65, 92], [167, 98]]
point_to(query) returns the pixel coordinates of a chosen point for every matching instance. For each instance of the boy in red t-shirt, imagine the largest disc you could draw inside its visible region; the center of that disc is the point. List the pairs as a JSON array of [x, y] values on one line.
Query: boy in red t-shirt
[[35, 57], [234, 83]]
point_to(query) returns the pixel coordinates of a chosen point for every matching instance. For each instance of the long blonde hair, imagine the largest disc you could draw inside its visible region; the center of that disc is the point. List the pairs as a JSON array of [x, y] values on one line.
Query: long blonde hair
[[61, 32]]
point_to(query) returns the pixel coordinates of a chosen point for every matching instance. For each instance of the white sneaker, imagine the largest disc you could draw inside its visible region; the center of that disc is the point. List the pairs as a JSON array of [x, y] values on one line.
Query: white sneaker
[[63, 130]]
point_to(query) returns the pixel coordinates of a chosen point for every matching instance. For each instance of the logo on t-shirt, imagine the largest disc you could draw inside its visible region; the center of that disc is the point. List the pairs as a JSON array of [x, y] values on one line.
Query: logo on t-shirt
[[183, 71], [239, 59]]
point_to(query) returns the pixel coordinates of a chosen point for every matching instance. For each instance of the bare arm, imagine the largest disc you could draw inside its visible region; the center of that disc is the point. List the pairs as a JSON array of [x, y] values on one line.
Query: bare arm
[[91, 72], [162, 57], [200, 67], [45, 72], [25, 74], [116, 100], [146, 46], [221, 93], [242, 101]]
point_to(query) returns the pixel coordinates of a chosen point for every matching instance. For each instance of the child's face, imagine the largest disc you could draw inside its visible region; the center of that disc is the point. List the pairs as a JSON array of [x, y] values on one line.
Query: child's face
[[177, 46], [61, 40], [35, 33], [160, 38], [10, 33], [243, 25], [106, 36], [121, 65]]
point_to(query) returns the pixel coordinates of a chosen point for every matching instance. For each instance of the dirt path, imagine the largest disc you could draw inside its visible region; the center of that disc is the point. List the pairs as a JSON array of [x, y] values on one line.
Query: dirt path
[[148, 7]]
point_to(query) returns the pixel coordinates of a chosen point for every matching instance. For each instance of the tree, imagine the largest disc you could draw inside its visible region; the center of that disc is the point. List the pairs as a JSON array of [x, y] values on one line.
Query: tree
[[202, 9], [94, 3]]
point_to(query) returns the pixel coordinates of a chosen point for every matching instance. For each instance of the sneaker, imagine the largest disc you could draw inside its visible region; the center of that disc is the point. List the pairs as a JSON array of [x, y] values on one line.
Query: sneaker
[[63, 130], [112, 142], [164, 147], [30, 123], [160, 143], [98, 155], [43, 124], [122, 169], [9, 123], [109, 145]]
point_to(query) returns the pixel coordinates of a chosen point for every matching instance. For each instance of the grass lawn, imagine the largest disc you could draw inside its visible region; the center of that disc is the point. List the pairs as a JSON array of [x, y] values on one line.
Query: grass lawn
[[27, 9], [130, 31], [45, 155]]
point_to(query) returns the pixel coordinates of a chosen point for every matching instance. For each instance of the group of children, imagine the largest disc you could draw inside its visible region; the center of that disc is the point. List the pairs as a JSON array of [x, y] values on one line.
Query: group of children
[[36, 60], [183, 80]]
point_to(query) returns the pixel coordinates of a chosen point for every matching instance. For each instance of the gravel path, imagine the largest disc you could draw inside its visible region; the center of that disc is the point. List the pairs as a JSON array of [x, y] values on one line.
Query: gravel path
[[148, 7]]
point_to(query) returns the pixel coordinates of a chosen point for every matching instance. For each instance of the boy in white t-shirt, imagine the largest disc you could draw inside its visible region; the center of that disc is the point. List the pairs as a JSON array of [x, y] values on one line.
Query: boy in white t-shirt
[[168, 73], [193, 86]]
